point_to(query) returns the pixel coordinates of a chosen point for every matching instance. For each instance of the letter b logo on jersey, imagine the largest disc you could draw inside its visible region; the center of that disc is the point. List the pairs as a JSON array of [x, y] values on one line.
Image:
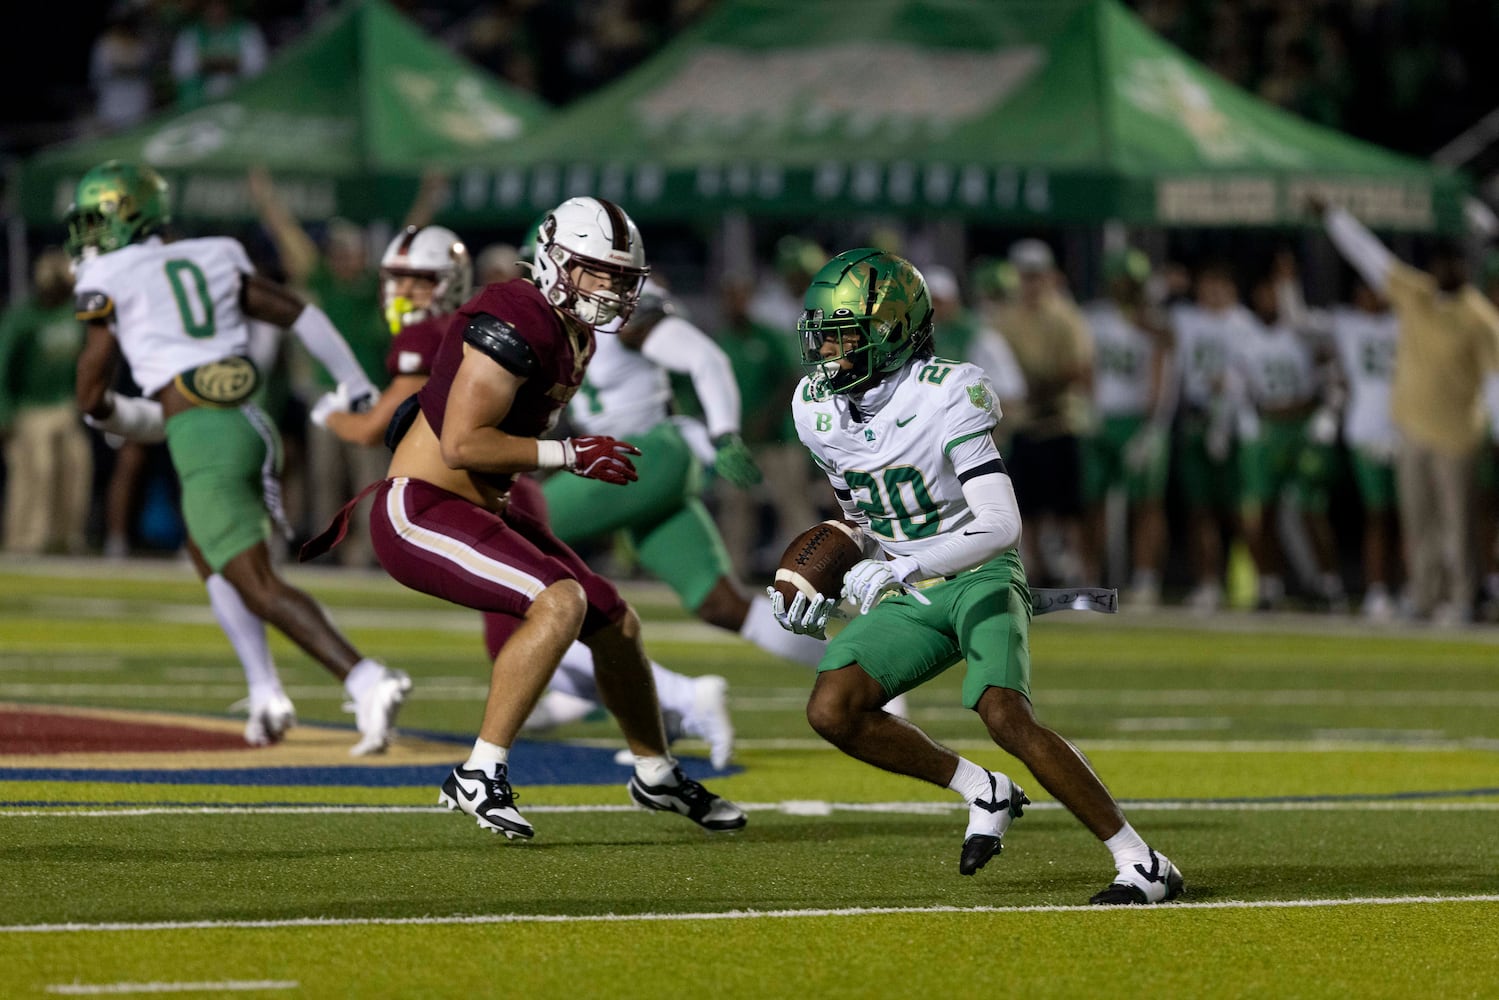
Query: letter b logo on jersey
[[824, 421]]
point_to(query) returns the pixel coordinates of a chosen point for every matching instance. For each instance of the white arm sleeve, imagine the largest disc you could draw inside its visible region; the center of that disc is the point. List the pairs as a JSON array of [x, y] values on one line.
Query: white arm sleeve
[[678, 346], [996, 515], [323, 341], [1360, 247]]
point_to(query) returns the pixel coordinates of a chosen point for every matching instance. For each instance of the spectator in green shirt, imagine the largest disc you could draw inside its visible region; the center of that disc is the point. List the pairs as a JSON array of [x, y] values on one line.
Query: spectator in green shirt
[[767, 369], [49, 464]]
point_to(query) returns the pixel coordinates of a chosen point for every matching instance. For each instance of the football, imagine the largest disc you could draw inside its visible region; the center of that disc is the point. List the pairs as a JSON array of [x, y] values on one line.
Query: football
[[815, 561]]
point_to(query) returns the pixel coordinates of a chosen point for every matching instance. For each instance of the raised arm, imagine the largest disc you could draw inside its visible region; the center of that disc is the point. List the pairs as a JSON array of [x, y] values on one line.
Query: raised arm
[[1359, 247], [299, 255]]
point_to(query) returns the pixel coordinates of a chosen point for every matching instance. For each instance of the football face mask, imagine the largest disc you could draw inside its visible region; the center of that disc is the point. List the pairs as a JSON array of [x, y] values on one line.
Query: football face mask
[[867, 312], [116, 204]]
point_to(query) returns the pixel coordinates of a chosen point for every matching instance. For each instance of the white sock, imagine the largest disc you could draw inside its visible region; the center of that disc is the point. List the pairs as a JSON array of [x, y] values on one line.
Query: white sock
[[487, 756], [365, 675], [1147, 579], [1128, 849], [246, 634], [969, 780], [574, 675], [656, 770], [761, 628]]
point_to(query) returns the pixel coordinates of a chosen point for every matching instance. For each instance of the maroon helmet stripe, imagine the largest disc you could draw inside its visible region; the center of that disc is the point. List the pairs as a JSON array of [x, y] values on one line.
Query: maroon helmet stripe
[[620, 236], [406, 240]]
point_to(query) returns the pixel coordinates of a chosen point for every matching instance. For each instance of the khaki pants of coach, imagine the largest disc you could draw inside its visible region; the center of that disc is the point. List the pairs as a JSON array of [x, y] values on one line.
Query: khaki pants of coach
[[336, 470], [49, 480], [1436, 493]]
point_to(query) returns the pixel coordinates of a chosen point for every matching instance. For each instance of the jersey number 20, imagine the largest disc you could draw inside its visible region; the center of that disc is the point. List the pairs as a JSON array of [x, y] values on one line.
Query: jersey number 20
[[900, 506]]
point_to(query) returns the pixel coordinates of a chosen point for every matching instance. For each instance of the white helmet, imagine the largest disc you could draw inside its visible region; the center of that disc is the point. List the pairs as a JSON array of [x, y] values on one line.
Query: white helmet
[[431, 252], [597, 235]]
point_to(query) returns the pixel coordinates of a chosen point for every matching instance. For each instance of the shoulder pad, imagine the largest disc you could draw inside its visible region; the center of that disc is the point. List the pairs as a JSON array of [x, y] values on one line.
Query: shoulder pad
[[502, 343], [89, 306]]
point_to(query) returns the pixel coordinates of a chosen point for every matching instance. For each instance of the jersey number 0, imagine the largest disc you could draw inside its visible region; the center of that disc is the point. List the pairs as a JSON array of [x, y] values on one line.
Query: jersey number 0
[[197, 322]]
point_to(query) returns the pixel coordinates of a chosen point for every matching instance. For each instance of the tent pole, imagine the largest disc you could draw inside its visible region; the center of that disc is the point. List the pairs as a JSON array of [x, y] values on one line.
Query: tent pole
[[735, 247]]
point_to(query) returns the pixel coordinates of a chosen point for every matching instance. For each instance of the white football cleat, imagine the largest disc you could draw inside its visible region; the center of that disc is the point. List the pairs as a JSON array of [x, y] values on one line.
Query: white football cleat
[[1137, 885], [709, 718], [375, 712], [270, 718]]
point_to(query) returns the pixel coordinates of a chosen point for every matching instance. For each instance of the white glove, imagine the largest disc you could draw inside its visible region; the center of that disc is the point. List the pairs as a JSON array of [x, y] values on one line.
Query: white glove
[[1322, 428], [870, 578], [131, 418], [336, 401], [804, 617]]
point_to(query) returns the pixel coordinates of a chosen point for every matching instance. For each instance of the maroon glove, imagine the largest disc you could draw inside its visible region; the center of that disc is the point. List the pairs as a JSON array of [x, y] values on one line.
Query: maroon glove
[[598, 456]]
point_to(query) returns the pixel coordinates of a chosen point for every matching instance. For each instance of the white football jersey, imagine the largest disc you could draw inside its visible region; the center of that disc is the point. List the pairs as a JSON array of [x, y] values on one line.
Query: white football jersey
[[1202, 345], [1276, 366], [1122, 356], [174, 306], [1366, 352], [623, 392], [895, 462]]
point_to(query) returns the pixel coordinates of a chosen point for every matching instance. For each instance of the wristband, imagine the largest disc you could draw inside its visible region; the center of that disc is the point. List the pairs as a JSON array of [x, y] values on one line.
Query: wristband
[[553, 455]]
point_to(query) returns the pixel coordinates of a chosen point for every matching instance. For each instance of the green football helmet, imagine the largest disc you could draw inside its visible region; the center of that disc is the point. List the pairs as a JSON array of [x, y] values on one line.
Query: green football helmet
[[875, 307], [116, 204]]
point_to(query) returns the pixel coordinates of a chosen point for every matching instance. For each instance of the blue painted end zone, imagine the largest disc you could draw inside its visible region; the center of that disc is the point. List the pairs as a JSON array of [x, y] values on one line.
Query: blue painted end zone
[[531, 764]]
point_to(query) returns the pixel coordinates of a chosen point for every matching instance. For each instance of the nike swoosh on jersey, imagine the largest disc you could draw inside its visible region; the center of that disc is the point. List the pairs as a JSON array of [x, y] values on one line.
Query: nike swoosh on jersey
[[902, 423], [977, 532]]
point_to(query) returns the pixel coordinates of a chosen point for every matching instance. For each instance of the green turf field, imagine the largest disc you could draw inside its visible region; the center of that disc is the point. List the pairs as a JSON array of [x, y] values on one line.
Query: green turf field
[[1330, 792]]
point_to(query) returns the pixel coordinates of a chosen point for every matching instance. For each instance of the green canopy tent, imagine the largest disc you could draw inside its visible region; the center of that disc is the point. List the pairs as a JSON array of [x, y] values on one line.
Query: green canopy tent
[[346, 119], [1009, 111]]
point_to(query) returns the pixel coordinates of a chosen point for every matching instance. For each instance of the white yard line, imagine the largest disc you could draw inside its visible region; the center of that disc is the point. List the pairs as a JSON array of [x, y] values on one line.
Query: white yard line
[[613, 918], [790, 807], [124, 989]]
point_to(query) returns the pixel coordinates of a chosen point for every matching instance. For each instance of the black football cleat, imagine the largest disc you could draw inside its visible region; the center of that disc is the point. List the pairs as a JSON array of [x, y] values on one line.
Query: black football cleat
[[988, 819], [690, 799], [1137, 886], [490, 801]]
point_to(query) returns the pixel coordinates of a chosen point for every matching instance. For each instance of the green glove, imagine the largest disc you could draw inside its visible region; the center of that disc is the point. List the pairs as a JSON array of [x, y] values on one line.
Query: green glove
[[733, 461]]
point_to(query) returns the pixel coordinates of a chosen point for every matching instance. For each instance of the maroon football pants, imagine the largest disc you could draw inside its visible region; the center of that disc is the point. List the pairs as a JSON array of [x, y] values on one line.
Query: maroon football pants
[[439, 543]]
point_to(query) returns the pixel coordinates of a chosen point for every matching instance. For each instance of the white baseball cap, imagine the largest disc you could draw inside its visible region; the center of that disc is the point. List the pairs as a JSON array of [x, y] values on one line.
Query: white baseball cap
[[1031, 256], [940, 283]]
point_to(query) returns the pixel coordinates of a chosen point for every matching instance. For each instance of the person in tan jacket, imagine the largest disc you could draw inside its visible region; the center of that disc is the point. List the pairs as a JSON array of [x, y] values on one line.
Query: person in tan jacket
[[1448, 343], [1054, 348]]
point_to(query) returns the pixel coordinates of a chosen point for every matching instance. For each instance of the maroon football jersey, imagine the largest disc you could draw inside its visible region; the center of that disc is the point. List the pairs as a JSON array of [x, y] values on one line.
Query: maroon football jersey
[[561, 356], [415, 347]]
